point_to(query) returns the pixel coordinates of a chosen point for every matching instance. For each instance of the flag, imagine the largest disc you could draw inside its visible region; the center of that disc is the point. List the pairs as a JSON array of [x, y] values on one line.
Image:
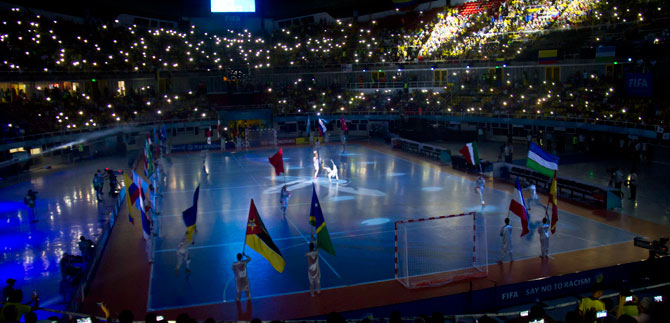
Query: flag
[[129, 201], [322, 126], [218, 128], [541, 161], [518, 207], [277, 162], [156, 147], [190, 215], [259, 239], [553, 200], [343, 125], [163, 133], [471, 153], [548, 56], [319, 224], [146, 226], [308, 124], [605, 54], [142, 187], [148, 159]]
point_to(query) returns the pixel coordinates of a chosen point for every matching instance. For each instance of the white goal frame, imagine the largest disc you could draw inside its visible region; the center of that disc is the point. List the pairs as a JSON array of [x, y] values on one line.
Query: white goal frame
[[479, 268]]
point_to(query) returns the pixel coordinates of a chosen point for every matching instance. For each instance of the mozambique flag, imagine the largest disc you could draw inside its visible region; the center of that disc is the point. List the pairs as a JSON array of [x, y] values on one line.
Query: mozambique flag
[[553, 201], [319, 224], [191, 215], [259, 239]]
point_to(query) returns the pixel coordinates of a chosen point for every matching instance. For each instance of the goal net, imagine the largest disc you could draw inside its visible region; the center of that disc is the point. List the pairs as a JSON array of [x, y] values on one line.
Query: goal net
[[439, 250], [261, 137]]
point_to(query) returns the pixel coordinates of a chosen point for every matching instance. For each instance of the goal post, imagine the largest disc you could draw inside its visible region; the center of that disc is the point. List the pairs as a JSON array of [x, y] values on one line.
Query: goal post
[[261, 138], [435, 251]]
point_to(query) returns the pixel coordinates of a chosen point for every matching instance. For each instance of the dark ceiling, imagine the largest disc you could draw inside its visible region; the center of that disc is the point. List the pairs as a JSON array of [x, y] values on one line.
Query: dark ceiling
[[199, 8]]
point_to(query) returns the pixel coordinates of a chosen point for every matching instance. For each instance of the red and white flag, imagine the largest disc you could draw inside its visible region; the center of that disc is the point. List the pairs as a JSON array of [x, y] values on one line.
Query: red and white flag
[[518, 207]]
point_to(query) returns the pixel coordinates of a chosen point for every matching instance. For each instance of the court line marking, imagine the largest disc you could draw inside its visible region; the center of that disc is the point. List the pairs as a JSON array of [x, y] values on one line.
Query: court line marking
[[341, 234], [293, 224], [352, 285]]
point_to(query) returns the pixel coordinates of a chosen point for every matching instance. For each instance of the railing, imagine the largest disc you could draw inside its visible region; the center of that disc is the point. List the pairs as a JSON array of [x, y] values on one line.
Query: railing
[[100, 246]]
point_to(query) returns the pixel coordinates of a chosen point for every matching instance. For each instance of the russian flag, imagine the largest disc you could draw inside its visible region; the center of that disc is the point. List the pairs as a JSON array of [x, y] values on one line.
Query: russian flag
[[518, 207], [322, 126]]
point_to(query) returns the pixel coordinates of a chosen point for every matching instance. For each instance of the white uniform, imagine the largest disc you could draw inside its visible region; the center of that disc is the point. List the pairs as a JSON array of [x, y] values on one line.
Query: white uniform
[[241, 278], [333, 172], [283, 199], [315, 160], [543, 232], [313, 271], [479, 188], [533, 195], [506, 234], [183, 255]]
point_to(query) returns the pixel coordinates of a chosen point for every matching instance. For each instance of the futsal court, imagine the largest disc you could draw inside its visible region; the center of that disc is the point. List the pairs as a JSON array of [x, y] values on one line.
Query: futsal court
[[375, 189]]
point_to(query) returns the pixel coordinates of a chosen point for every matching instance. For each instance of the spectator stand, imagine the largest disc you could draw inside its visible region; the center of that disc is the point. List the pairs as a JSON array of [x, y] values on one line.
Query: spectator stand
[[433, 152], [567, 187]]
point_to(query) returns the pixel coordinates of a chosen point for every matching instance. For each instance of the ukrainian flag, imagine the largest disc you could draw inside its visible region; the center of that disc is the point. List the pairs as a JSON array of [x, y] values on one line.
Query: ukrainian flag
[[190, 216]]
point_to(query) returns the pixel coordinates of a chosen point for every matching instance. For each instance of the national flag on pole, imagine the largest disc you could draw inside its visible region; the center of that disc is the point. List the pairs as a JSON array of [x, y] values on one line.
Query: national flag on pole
[[319, 224], [553, 201], [190, 215], [308, 125], [541, 161], [343, 126], [146, 225], [129, 201], [148, 159], [163, 133], [471, 153], [518, 207], [277, 162], [259, 239], [322, 126], [156, 147]]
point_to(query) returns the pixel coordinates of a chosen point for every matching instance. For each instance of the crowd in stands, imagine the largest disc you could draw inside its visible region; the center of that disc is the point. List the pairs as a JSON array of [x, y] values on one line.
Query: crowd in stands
[[479, 29], [31, 42]]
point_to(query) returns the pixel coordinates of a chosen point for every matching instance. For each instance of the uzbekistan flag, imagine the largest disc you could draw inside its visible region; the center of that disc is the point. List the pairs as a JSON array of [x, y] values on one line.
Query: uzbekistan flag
[[190, 215], [553, 200], [518, 207], [317, 221], [541, 161], [259, 239], [471, 153], [322, 126]]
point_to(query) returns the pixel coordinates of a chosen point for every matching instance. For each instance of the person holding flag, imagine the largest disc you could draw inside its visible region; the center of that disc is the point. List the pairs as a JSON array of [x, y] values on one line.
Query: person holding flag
[[322, 240], [190, 216], [183, 255], [543, 232], [506, 235], [553, 201], [283, 199], [257, 238], [241, 278], [313, 269]]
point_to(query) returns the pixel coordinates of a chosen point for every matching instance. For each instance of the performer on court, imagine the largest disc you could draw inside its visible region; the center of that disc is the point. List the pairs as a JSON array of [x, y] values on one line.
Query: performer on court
[[331, 172], [543, 231], [479, 188], [315, 160], [506, 235], [313, 270], [283, 199], [533, 196], [203, 154], [241, 278], [183, 255]]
